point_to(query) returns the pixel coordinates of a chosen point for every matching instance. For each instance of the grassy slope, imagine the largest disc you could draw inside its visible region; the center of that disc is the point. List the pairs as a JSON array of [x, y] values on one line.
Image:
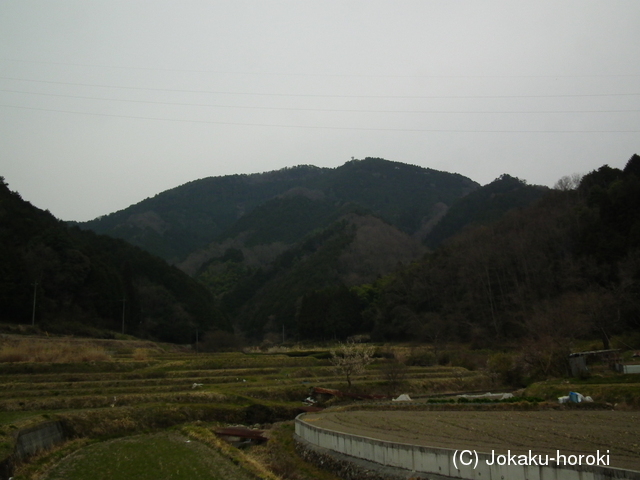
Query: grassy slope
[[153, 457]]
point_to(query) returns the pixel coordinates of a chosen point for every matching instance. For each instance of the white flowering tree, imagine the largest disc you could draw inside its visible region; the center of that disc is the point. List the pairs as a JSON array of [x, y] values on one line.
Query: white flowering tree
[[350, 359]]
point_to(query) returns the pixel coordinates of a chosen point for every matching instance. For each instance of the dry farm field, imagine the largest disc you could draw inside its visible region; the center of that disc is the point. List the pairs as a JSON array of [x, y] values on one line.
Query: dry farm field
[[542, 432]]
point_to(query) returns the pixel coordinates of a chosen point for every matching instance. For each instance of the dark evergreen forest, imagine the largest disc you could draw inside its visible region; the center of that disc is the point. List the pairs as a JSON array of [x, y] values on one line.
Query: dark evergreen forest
[[563, 268], [509, 262], [308, 254], [175, 223], [86, 283]]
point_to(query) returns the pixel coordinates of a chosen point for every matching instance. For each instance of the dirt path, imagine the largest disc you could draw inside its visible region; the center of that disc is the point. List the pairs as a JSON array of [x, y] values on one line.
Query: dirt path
[[542, 432]]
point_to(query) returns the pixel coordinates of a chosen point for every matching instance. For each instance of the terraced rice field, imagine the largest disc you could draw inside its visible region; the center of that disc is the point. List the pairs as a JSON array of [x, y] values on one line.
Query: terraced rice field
[[186, 379], [125, 382], [542, 432], [133, 392]]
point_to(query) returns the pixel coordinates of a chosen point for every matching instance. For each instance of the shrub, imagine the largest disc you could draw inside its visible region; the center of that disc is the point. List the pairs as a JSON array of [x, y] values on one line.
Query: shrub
[[504, 368], [444, 358], [421, 358], [258, 413], [394, 373]]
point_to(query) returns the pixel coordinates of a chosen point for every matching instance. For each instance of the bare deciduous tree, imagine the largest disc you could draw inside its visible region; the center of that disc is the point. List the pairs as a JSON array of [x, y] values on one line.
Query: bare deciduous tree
[[568, 182], [350, 359], [394, 373]]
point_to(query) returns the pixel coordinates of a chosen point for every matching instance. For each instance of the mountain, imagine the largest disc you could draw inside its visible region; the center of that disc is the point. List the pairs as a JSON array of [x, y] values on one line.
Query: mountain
[[307, 289], [272, 228], [87, 283], [484, 206], [312, 253], [176, 223], [562, 269]]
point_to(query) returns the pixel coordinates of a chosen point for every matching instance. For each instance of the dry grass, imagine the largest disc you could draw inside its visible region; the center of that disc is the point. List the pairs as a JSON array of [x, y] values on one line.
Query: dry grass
[[140, 354], [52, 352], [279, 456], [236, 456]]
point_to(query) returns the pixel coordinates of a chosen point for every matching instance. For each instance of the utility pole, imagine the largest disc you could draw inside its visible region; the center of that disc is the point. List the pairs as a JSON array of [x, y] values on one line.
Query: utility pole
[[33, 314], [123, 309]]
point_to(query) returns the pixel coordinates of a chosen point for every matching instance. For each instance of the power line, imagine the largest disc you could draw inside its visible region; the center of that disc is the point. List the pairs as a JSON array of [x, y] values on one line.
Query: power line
[[294, 74], [298, 109], [314, 127], [223, 92]]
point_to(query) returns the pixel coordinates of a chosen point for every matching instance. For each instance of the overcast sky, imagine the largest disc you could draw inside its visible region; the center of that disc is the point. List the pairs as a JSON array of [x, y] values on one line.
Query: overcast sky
[[105, 103]]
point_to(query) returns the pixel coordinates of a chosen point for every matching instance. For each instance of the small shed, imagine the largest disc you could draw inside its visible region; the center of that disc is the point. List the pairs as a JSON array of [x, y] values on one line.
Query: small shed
[[578, 361]]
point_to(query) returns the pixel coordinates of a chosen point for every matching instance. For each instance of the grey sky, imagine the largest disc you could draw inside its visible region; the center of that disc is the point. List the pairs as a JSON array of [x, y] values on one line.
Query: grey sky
[[105, 103]]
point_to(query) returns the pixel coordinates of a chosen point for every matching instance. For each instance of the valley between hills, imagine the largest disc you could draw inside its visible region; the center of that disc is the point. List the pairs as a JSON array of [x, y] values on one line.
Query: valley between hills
[[226, 300]]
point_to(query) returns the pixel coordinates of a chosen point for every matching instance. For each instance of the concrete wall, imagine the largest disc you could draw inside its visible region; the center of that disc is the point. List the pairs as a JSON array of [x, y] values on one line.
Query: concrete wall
[[440, 461], [351, 468], [30, 441], [40, 437]]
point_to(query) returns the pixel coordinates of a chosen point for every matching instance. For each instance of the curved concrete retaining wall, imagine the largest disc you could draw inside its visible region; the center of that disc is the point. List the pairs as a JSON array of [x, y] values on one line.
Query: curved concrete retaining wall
[[440, 461]]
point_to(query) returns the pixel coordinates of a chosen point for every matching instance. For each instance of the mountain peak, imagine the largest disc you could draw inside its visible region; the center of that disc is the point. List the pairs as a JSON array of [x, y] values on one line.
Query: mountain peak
[[175, 223]]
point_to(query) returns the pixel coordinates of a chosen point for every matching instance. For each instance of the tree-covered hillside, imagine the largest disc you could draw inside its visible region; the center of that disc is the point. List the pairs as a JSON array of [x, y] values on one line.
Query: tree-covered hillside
[[296, 261], [484, 206], [565, 268], [86, 280], [559, 268], [353, 250], [175, 223], [313, 253], [272, 228]]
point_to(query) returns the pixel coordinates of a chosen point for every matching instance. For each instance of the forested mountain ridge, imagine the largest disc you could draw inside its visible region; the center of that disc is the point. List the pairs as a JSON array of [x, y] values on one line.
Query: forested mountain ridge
[[175, 223], [563, 265], [565, 268], [271, 228], [285, 249], [83, 279], [484, 206], [267, 277], [513, 262]]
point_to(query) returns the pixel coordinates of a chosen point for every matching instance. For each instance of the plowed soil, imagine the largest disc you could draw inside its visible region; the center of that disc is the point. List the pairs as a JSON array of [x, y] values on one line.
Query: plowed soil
[[542, 432]]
